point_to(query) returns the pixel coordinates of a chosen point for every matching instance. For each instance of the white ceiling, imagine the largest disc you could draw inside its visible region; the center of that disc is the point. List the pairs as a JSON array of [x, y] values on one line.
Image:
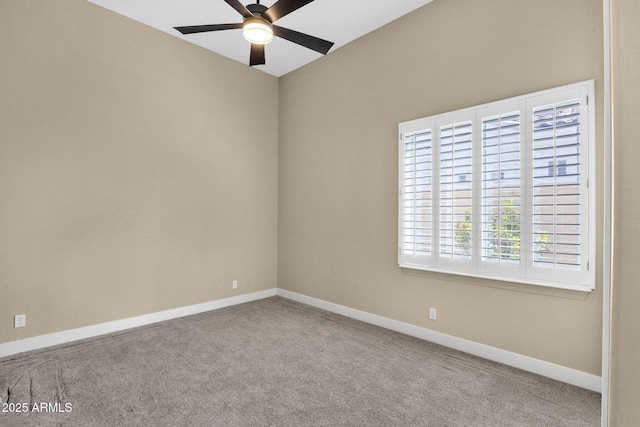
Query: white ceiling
[[339, 21]]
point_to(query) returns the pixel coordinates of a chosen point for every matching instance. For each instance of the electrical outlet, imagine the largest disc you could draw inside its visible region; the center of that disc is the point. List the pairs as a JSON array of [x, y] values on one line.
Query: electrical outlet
[[20, 320], [432, 313], [235, 284]]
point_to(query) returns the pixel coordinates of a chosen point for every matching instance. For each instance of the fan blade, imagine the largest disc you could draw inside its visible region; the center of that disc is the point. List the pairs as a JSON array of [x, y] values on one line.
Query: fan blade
[[204, 28], [282, 8], [310, 42], [257, 54], [242, 9]]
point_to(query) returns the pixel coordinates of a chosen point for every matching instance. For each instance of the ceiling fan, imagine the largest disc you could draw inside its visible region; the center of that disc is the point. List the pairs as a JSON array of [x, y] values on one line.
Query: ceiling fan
[[258, 27]]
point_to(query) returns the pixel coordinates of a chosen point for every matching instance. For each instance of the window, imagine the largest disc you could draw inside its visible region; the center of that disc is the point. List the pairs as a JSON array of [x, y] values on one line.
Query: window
[[502, 190]]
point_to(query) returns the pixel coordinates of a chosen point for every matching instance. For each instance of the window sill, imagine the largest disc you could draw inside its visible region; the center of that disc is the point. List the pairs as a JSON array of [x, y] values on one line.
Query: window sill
[[558, 291]]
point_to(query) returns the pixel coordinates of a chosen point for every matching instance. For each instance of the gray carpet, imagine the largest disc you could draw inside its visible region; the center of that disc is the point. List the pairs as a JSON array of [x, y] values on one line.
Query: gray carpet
[[275, 362]]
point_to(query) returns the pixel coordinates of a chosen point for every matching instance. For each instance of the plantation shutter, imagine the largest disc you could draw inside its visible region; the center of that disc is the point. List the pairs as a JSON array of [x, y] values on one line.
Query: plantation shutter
[[559, 189], [417, 195], [456, 190], [556, 185], [501, 191], [501, 188]]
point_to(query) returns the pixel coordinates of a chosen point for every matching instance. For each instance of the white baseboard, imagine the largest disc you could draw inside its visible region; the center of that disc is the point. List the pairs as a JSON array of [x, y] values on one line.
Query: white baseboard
[[48, 340], [526, 363], [540, 367]]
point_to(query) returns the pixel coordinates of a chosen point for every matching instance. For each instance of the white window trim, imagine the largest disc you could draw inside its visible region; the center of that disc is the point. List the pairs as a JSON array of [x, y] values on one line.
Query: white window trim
[[588, 187]]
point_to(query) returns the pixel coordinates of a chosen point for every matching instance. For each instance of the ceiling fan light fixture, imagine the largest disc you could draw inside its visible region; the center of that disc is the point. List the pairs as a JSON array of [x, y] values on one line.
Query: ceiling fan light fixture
[[257, 30]]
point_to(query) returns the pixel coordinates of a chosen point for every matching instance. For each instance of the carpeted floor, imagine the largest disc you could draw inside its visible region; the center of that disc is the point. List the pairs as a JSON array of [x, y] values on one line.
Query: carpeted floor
[[275, 362]]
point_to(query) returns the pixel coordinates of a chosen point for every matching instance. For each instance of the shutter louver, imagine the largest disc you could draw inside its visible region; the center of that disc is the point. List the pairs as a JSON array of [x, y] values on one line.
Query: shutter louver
[[556, 185], [456, 190], [417, 192], [501, 196]]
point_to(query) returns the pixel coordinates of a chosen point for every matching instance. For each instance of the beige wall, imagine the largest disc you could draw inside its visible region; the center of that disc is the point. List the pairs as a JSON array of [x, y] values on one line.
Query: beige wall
[[338, 166], [625, 339], [134, 175]]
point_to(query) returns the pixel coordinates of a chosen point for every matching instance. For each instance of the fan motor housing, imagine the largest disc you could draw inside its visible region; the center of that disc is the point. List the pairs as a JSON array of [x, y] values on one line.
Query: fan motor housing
[[257, 9]]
